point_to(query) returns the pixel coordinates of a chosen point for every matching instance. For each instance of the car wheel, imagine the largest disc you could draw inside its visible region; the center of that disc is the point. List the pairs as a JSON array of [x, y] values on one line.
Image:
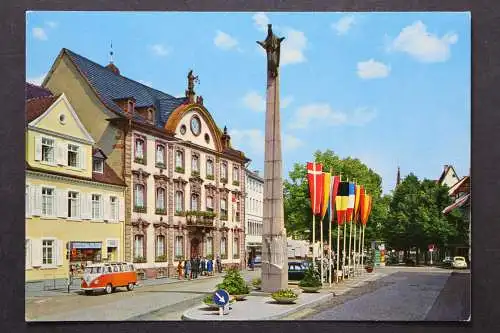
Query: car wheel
[[130, 286], [109, 289]]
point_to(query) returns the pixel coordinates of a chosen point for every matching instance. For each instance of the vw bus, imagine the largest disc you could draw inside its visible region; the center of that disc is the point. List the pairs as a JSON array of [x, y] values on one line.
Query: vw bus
[[108, 277]]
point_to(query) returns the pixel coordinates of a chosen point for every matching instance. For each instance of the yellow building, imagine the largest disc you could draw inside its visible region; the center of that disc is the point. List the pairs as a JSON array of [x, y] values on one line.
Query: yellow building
[[74, 200]]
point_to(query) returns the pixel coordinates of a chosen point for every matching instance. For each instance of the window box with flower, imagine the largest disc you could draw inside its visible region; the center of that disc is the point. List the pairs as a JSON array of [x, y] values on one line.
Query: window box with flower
[[195, 173], [140, 160], [139, 260], [179, 169], [140, 209], [180, 213], [223, 217], [236, 183], [210, 177], [160, 165], [160, 211], [223, 180], [179, 258], [162, 258]]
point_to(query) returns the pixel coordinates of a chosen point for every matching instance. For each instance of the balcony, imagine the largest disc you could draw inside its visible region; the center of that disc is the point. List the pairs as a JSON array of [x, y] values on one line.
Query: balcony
[[200, 218]]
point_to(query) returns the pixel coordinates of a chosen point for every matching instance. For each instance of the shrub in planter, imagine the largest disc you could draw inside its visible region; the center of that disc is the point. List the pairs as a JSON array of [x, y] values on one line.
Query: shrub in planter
[[236, 183], [256, 283], [179, 169], [234, 284], [285, 296], [223, 180], [210, 177], [311, 281], [161, 258], [139, 260]]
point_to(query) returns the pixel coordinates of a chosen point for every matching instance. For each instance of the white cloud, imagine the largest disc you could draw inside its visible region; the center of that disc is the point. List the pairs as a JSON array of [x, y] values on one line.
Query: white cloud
[[257, 103], [422, 45], [254, 101], [251, 140], [291, 142], [343, 25], [323, 114], [225, 41], [36, 80], [52, 24], [292, 48], [39, 33], [159, 50], [372, 69], [146, 83], [261, 20]]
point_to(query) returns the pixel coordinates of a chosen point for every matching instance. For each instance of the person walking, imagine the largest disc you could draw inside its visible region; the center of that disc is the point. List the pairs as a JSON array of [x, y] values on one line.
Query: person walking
[[180, 270], [219, 265], [210, 266], [187, 268], [197, 263], [203, 266]]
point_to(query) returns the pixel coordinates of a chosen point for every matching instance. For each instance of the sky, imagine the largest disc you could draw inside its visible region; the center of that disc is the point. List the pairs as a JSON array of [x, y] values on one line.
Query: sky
[[392, 89]]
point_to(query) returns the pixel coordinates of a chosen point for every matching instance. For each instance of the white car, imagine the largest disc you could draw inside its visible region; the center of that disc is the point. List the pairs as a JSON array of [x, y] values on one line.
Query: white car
[[459, 262]]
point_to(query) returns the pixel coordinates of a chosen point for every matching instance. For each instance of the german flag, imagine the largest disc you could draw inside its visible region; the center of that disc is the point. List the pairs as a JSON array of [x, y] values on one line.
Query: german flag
[[334, 185], [341, 202], [350, 202], [326, 194]]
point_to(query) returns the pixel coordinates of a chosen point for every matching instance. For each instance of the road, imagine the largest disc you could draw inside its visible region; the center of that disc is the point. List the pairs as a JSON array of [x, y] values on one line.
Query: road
[[406, 294], [143, 303]]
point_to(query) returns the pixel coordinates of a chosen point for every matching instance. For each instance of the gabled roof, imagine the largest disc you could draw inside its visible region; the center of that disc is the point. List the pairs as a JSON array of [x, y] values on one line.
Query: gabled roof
[[459, 203], [110, 86], [35, 107], [463, 185], [34, 91], [446, 169]]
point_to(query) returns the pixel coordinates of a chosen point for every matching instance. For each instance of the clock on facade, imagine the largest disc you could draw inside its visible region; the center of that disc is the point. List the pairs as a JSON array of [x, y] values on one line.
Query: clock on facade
[[195, 125]]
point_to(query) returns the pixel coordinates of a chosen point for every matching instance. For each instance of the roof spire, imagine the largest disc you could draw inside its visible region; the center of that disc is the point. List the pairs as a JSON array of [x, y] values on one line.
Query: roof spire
[[398, 179], [111, 53]]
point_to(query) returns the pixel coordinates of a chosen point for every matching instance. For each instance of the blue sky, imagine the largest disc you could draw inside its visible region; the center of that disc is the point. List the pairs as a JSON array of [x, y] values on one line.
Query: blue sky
[[389, 88]]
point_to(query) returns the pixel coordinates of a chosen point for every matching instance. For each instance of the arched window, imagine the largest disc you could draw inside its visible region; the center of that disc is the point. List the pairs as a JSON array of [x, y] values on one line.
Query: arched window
[[195, 164], [223, 208], [223, 248], [179, 159], [160, 198], [160, 246], [210, 203], [194, 202], [210, 168], [223, 171], [179, 201]]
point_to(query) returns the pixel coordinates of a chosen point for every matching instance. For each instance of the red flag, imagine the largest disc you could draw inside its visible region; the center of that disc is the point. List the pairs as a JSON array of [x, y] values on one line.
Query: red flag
[[316, 180], [362, 203], [334, 188]]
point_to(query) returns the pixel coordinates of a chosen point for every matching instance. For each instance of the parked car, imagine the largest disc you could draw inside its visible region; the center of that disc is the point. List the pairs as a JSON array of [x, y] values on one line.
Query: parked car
[[258, 261], [447, 261], [459, 262], [296, 270]]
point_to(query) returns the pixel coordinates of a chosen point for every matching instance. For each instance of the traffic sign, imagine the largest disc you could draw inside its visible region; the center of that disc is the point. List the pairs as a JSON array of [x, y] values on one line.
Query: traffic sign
[[221, 298]]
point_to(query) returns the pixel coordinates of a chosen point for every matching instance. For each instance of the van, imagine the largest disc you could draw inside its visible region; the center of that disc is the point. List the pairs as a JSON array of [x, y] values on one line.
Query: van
[[108, 276]]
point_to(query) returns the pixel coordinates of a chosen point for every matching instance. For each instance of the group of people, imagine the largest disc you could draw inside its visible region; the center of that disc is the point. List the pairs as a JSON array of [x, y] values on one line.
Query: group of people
[[198, 266]]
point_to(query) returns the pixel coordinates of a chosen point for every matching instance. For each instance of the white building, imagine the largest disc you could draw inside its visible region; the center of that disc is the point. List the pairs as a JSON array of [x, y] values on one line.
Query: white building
[[254, 198]]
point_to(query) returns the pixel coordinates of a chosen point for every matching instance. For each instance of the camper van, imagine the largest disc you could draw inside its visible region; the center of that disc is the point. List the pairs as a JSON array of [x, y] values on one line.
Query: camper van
[[108, 276]]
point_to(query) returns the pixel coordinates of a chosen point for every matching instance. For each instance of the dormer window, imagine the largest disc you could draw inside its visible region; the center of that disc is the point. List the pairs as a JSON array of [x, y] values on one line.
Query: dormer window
[[150, 115], [130, 108], [98, 165]]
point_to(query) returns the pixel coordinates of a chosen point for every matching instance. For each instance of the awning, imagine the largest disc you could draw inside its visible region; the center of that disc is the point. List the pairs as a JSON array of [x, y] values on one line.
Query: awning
[[86, 245]]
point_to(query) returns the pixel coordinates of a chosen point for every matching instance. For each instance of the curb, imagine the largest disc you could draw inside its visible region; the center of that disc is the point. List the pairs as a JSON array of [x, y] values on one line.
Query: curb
[[188, 302]]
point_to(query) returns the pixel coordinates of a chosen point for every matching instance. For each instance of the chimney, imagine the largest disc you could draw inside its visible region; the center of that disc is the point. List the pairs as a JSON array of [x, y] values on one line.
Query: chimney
[[446, 166]]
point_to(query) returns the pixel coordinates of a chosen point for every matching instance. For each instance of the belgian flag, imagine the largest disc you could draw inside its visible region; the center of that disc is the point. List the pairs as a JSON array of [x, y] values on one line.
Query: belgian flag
[[341, 202]]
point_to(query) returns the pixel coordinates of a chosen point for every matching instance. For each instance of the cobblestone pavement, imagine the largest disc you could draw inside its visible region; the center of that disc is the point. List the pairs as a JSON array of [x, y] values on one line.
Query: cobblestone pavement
[[405, 294], [122, 305]]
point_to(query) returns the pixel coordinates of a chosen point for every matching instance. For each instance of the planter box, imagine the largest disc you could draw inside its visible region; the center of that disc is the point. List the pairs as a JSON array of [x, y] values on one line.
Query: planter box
[[285, 300], [310, 289]]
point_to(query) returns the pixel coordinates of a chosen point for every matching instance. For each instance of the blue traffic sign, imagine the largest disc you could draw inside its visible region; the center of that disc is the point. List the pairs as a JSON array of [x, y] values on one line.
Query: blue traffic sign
[[221, 297]]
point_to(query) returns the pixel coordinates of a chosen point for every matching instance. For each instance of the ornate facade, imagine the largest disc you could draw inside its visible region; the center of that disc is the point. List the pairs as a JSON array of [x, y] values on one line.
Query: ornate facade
[[184, 180]]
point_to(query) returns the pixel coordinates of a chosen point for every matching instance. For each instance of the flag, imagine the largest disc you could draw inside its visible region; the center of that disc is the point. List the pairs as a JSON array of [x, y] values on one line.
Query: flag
[[315, 178], [366, 209], [334, 185], [362, 204], [341, 201], [350, 202], [326, 194], [356, 203], [370, 205]]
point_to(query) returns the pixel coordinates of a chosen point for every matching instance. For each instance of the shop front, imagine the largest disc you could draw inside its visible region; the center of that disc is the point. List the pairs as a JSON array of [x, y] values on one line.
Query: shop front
[[83, 253]]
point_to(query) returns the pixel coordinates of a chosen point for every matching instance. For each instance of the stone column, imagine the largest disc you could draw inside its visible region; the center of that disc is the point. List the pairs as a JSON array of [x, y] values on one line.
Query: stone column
[[274, 247]]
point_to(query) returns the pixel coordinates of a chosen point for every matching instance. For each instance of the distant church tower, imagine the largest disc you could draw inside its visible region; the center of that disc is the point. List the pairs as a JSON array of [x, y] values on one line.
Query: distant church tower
[[398, 178]]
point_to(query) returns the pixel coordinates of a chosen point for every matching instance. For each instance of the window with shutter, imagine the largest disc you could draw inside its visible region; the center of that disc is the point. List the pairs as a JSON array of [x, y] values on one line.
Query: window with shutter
[[38, 148], [36, 252], [121, 212], [48, 200], [48, 150], [27, 202], [27, 250]]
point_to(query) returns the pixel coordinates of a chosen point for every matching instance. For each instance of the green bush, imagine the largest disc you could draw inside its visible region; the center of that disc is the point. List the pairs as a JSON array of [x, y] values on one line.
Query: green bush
[[256, 282], [234, 283], [311, 278]]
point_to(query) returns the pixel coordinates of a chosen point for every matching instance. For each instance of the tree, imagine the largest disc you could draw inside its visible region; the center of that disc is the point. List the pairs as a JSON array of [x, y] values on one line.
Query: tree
[[298, 214], [416, 216]]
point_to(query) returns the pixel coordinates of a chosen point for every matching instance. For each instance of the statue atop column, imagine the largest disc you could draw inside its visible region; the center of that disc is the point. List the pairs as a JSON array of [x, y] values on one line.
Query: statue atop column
[[190, 94], [272, 45]]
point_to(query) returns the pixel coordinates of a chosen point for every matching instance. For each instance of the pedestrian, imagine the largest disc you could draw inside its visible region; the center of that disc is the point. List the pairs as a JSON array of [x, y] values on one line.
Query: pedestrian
[[193, 268], [180, 270], [187, 268], [197, 264], [203, 266], [210, 266], [219, 265], [249, 262]]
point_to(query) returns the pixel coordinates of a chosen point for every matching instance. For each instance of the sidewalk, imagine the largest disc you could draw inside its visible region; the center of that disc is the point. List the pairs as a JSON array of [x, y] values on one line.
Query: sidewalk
[[59, 287], [260, 306], [140, 303]]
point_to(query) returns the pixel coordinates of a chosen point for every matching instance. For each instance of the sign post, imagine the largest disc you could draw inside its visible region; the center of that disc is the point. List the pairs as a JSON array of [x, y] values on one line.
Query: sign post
[[431, 249], [221, 298]]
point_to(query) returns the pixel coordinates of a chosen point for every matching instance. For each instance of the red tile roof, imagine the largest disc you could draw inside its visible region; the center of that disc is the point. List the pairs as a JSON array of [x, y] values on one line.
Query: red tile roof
[[34, 91], [35, 107]]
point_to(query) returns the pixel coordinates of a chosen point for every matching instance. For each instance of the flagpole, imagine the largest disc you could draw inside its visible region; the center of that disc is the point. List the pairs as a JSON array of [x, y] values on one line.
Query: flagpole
[[338, 241], [363, 245], [314, 236], [343, 250], [354, 246], [330, 220], [322, 250], [359, 247]]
